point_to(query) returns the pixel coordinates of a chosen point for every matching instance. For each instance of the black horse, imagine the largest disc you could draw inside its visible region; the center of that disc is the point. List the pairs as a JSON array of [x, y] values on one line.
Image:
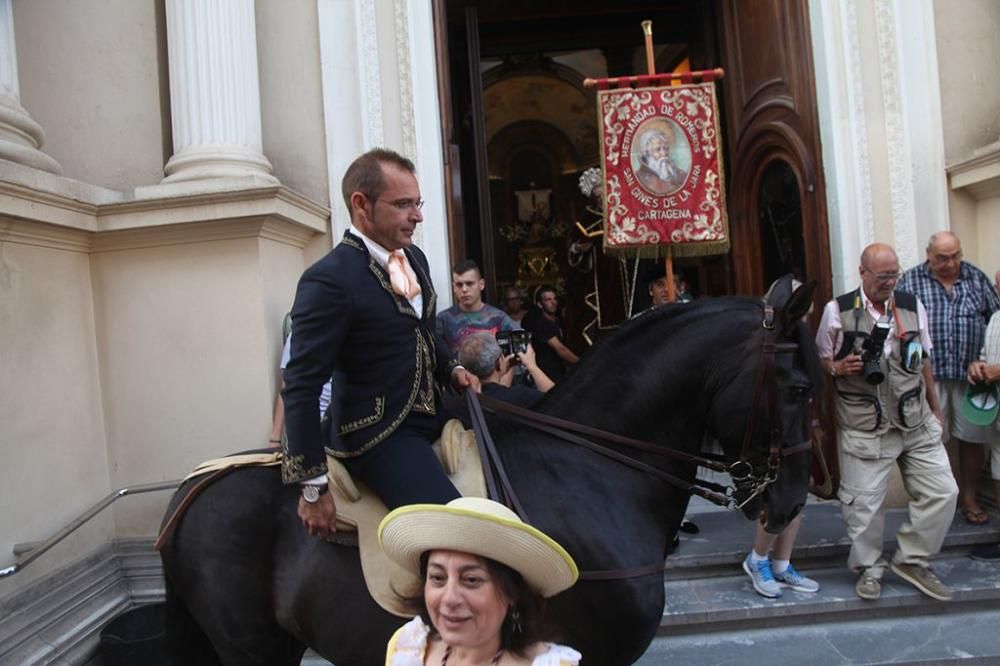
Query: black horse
[[246, 585]]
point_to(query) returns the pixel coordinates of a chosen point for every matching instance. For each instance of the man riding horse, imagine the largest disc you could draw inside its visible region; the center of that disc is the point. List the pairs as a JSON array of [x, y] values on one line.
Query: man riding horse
[[365, 314]]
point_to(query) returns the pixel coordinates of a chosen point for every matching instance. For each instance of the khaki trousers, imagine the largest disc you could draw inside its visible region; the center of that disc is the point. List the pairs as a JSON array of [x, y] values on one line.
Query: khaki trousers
[[865, 463]]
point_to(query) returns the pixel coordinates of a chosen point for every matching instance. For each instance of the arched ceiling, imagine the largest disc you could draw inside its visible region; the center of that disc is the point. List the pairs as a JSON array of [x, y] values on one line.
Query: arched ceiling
[[544, 98]]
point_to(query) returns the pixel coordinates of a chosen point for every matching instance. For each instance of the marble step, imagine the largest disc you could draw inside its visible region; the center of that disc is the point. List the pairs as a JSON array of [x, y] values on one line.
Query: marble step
[[729, 602], [858, 640], [725, 538]]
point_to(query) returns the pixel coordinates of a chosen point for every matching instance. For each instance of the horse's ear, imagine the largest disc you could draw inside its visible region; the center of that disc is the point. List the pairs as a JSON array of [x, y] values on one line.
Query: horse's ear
[[798, 304]]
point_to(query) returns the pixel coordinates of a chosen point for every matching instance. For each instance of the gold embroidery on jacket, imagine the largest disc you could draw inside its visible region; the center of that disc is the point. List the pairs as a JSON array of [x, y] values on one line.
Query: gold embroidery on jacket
[[430, 299], [391, 428], [402, 303], [366, 421], [292, 470], [350, 240], [425, 375]]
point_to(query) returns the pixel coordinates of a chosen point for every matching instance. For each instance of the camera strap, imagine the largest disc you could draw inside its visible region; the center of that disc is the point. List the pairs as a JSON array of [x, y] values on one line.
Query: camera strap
[[900, 329], [859, 310]]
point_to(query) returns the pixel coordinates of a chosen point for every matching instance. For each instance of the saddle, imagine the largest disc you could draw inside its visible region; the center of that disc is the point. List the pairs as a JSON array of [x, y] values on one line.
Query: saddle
[[359, 510]]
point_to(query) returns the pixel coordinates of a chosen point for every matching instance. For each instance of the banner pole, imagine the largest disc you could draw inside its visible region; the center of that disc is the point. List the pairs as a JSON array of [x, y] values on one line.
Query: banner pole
[[647, 31]]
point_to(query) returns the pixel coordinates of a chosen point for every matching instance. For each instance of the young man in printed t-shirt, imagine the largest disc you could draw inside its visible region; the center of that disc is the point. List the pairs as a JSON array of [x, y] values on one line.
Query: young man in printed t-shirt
[[470, 314]]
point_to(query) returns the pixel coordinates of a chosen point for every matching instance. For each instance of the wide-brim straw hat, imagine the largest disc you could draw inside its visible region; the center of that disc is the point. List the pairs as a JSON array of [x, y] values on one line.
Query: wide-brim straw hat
[[479, 527]]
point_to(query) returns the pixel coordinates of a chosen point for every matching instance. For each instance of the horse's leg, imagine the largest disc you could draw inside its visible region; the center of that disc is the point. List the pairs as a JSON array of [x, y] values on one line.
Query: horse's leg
[[325, 603], [600, 618], [220, 561], [187, 643]]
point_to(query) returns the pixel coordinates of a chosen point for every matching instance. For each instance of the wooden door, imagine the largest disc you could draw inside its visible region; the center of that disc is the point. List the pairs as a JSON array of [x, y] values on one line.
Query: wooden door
[[770, 108], [771, 122]]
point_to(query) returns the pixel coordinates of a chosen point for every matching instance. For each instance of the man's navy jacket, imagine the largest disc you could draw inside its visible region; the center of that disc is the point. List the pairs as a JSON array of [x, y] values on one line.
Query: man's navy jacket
[[383, 356]]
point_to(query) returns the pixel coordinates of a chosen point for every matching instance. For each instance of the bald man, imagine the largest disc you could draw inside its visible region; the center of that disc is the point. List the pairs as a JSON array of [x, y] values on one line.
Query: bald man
[[960, 301], [888, 422]]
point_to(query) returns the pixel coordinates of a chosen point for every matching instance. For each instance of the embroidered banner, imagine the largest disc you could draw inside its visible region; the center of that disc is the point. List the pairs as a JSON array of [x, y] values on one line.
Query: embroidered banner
[[662, 166]]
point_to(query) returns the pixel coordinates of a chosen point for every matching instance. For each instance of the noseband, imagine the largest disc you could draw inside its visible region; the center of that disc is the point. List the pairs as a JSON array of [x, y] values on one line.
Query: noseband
[[746, 483]]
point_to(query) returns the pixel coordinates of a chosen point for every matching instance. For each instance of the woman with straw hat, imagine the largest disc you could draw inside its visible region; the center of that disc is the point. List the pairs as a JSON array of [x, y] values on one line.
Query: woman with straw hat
[[485, 576]]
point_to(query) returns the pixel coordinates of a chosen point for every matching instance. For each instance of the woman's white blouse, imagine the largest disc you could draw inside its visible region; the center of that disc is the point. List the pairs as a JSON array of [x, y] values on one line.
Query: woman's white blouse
[[411, 645]]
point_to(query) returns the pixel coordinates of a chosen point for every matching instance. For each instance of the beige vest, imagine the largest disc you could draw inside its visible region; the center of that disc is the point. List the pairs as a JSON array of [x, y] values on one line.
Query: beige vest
[[899, 401]]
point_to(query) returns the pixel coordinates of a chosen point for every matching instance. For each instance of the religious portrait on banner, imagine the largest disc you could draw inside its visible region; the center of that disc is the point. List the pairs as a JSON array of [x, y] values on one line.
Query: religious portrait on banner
[[660, 157]]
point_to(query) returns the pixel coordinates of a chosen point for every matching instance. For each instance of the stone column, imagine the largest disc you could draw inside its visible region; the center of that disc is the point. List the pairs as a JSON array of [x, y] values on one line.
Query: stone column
[[214, 92], [20, 136]]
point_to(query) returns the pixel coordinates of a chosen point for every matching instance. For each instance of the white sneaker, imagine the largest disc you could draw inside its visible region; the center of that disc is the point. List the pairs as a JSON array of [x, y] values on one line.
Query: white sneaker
[[762, 578], [793, 579]]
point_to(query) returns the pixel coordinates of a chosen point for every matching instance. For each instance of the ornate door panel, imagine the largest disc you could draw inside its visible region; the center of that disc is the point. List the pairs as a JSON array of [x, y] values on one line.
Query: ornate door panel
[[770, 106], [772, 133]]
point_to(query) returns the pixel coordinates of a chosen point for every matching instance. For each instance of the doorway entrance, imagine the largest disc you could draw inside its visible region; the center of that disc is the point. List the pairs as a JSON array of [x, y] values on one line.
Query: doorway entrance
[[522, 130]]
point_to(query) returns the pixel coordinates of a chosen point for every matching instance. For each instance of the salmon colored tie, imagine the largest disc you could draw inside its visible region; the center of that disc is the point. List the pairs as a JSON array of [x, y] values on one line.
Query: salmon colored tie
[[401, 276]]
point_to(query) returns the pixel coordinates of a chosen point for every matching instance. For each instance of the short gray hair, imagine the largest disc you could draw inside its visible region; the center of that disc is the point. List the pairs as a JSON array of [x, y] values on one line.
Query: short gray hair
[[479, 354]]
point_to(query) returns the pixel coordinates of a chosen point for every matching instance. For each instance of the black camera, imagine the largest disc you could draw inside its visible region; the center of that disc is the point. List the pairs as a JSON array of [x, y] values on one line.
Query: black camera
[[513, 342], [871, 352]]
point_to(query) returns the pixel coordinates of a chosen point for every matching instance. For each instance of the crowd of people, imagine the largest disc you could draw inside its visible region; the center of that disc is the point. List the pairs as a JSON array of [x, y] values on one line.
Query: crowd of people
[[902, 351]]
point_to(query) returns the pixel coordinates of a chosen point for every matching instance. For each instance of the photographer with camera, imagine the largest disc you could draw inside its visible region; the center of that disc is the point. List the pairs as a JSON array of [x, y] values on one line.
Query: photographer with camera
[[875, 344], [483, 355]]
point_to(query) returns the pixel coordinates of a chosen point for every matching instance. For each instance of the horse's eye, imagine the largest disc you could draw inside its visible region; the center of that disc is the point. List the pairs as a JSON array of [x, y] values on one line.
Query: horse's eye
[[798, 392]]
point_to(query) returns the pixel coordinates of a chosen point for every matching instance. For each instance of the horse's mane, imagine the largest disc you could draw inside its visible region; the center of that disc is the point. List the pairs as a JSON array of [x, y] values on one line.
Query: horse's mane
[[664, 322], [733, 321]]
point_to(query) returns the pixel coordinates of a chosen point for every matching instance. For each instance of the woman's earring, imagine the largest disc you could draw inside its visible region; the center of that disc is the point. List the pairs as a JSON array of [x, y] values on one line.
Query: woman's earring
[[515, 621]]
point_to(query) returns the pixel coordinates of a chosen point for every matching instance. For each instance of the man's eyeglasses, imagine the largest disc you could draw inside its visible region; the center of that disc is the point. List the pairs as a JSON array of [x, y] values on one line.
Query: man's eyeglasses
[[885, 277], [405, 204]]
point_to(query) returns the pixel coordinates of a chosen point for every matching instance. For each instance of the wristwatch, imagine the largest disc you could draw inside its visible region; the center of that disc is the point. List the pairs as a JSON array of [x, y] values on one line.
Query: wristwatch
[[312, 492], [833, 369]]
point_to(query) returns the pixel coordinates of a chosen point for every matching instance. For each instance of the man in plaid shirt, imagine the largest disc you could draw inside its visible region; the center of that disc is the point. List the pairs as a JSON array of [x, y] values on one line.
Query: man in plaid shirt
[[960, 301]]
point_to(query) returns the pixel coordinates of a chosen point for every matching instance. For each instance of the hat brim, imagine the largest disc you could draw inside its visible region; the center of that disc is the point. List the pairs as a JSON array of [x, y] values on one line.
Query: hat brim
[[975, 414], [410, 531]]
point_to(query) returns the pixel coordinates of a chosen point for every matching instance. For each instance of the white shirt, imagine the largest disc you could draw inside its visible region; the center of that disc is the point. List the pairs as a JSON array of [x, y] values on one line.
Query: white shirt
[[991, 342], [324, 396], [382, 257], [830, 337]]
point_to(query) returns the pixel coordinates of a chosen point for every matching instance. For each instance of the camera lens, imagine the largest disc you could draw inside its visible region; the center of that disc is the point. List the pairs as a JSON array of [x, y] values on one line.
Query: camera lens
[[873, 373]]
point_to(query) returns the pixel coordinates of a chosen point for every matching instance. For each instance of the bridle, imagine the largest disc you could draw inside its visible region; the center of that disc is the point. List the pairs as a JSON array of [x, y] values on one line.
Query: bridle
[[747, 482]]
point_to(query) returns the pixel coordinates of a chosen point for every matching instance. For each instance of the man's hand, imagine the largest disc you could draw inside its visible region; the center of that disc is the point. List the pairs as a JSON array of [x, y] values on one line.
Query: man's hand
[[320, 517], [462, 379], [979, 371], [527, 358], [849, 365], [936, 411]]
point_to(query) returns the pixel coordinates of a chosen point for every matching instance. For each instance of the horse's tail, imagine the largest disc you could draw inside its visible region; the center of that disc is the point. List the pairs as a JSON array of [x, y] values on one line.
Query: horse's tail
[[187, 644]]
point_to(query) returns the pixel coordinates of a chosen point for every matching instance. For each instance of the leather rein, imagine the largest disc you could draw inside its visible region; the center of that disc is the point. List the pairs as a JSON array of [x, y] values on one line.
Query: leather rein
[[747, 484]]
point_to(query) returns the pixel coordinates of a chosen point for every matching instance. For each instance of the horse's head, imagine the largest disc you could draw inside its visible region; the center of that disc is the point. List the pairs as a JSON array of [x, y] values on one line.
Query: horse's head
[[761, 414]]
